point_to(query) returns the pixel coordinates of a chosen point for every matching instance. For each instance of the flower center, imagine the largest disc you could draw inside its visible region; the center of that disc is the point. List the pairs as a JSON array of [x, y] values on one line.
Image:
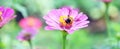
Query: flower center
[[31, 22], [66, 21], [27, 36], [1, 16]]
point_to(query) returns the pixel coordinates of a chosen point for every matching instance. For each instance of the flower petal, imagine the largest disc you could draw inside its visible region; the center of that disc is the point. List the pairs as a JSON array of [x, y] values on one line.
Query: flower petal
[[30, 22], [54, 25], [81, 17], [78, 25], [47, 18], [20, 37], [64, 11], [70, 31], [1, 9], [8, 13], [73, 13], [54, 15], [49, 28], [31, 31], [6, 20], [76, 28]]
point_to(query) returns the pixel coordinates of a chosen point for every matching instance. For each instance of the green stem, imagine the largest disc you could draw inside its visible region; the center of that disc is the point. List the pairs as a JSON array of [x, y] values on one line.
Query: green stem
[[64, 35], [30, 43], [1, 44], [107, 19], [118, 44]]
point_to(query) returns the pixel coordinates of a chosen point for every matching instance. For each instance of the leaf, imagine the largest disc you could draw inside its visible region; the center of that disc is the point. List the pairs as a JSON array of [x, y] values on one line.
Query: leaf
[[21, 8]]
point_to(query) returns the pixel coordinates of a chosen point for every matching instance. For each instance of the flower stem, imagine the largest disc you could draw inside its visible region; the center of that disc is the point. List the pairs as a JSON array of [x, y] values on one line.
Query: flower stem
[[1, 44], [107, 19], [118, 44], [30, 43], [0, 41], [64, 35]]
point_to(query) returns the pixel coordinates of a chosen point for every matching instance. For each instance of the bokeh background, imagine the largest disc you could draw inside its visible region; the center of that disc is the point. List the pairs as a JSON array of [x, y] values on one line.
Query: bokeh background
[[92, 37]]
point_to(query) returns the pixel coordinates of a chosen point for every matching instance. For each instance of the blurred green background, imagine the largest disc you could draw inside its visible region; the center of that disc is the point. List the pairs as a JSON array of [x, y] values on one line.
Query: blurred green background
[[92, 37]]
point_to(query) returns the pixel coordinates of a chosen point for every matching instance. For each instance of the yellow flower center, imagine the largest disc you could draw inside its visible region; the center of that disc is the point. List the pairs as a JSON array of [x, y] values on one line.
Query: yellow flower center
[[66, 21], [1, 18]]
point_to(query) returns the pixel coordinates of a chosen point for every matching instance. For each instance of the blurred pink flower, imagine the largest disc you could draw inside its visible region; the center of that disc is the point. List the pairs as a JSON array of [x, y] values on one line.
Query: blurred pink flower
[[30, 22], [30, 26], [27, 34], [107, 1], [6, 14], [67, 19]]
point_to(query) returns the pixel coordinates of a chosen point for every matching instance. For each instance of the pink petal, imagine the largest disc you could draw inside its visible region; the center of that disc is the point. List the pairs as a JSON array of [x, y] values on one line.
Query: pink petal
[[23, 23], [47, 18], [1, 9], [49, 28], [70, 31], [54, 25], [73, 13], [107, 1], [76, 28], [64, 11], [78, 25], [20, 38], [67, 7], [81, 17], [6, 20], [54, 15], [8, 13], [52, 28], [35, 23], [31, 31]]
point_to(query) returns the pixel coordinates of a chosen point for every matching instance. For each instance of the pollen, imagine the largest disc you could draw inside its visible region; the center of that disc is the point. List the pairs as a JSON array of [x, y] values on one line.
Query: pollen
[[66, 20], [62, 20]]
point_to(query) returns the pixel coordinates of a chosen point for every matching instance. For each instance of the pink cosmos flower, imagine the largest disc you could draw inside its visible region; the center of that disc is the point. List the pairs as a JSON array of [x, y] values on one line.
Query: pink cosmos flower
[[27, 34], [107, 1], [30, 22], [6, 14], [66, 19]]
